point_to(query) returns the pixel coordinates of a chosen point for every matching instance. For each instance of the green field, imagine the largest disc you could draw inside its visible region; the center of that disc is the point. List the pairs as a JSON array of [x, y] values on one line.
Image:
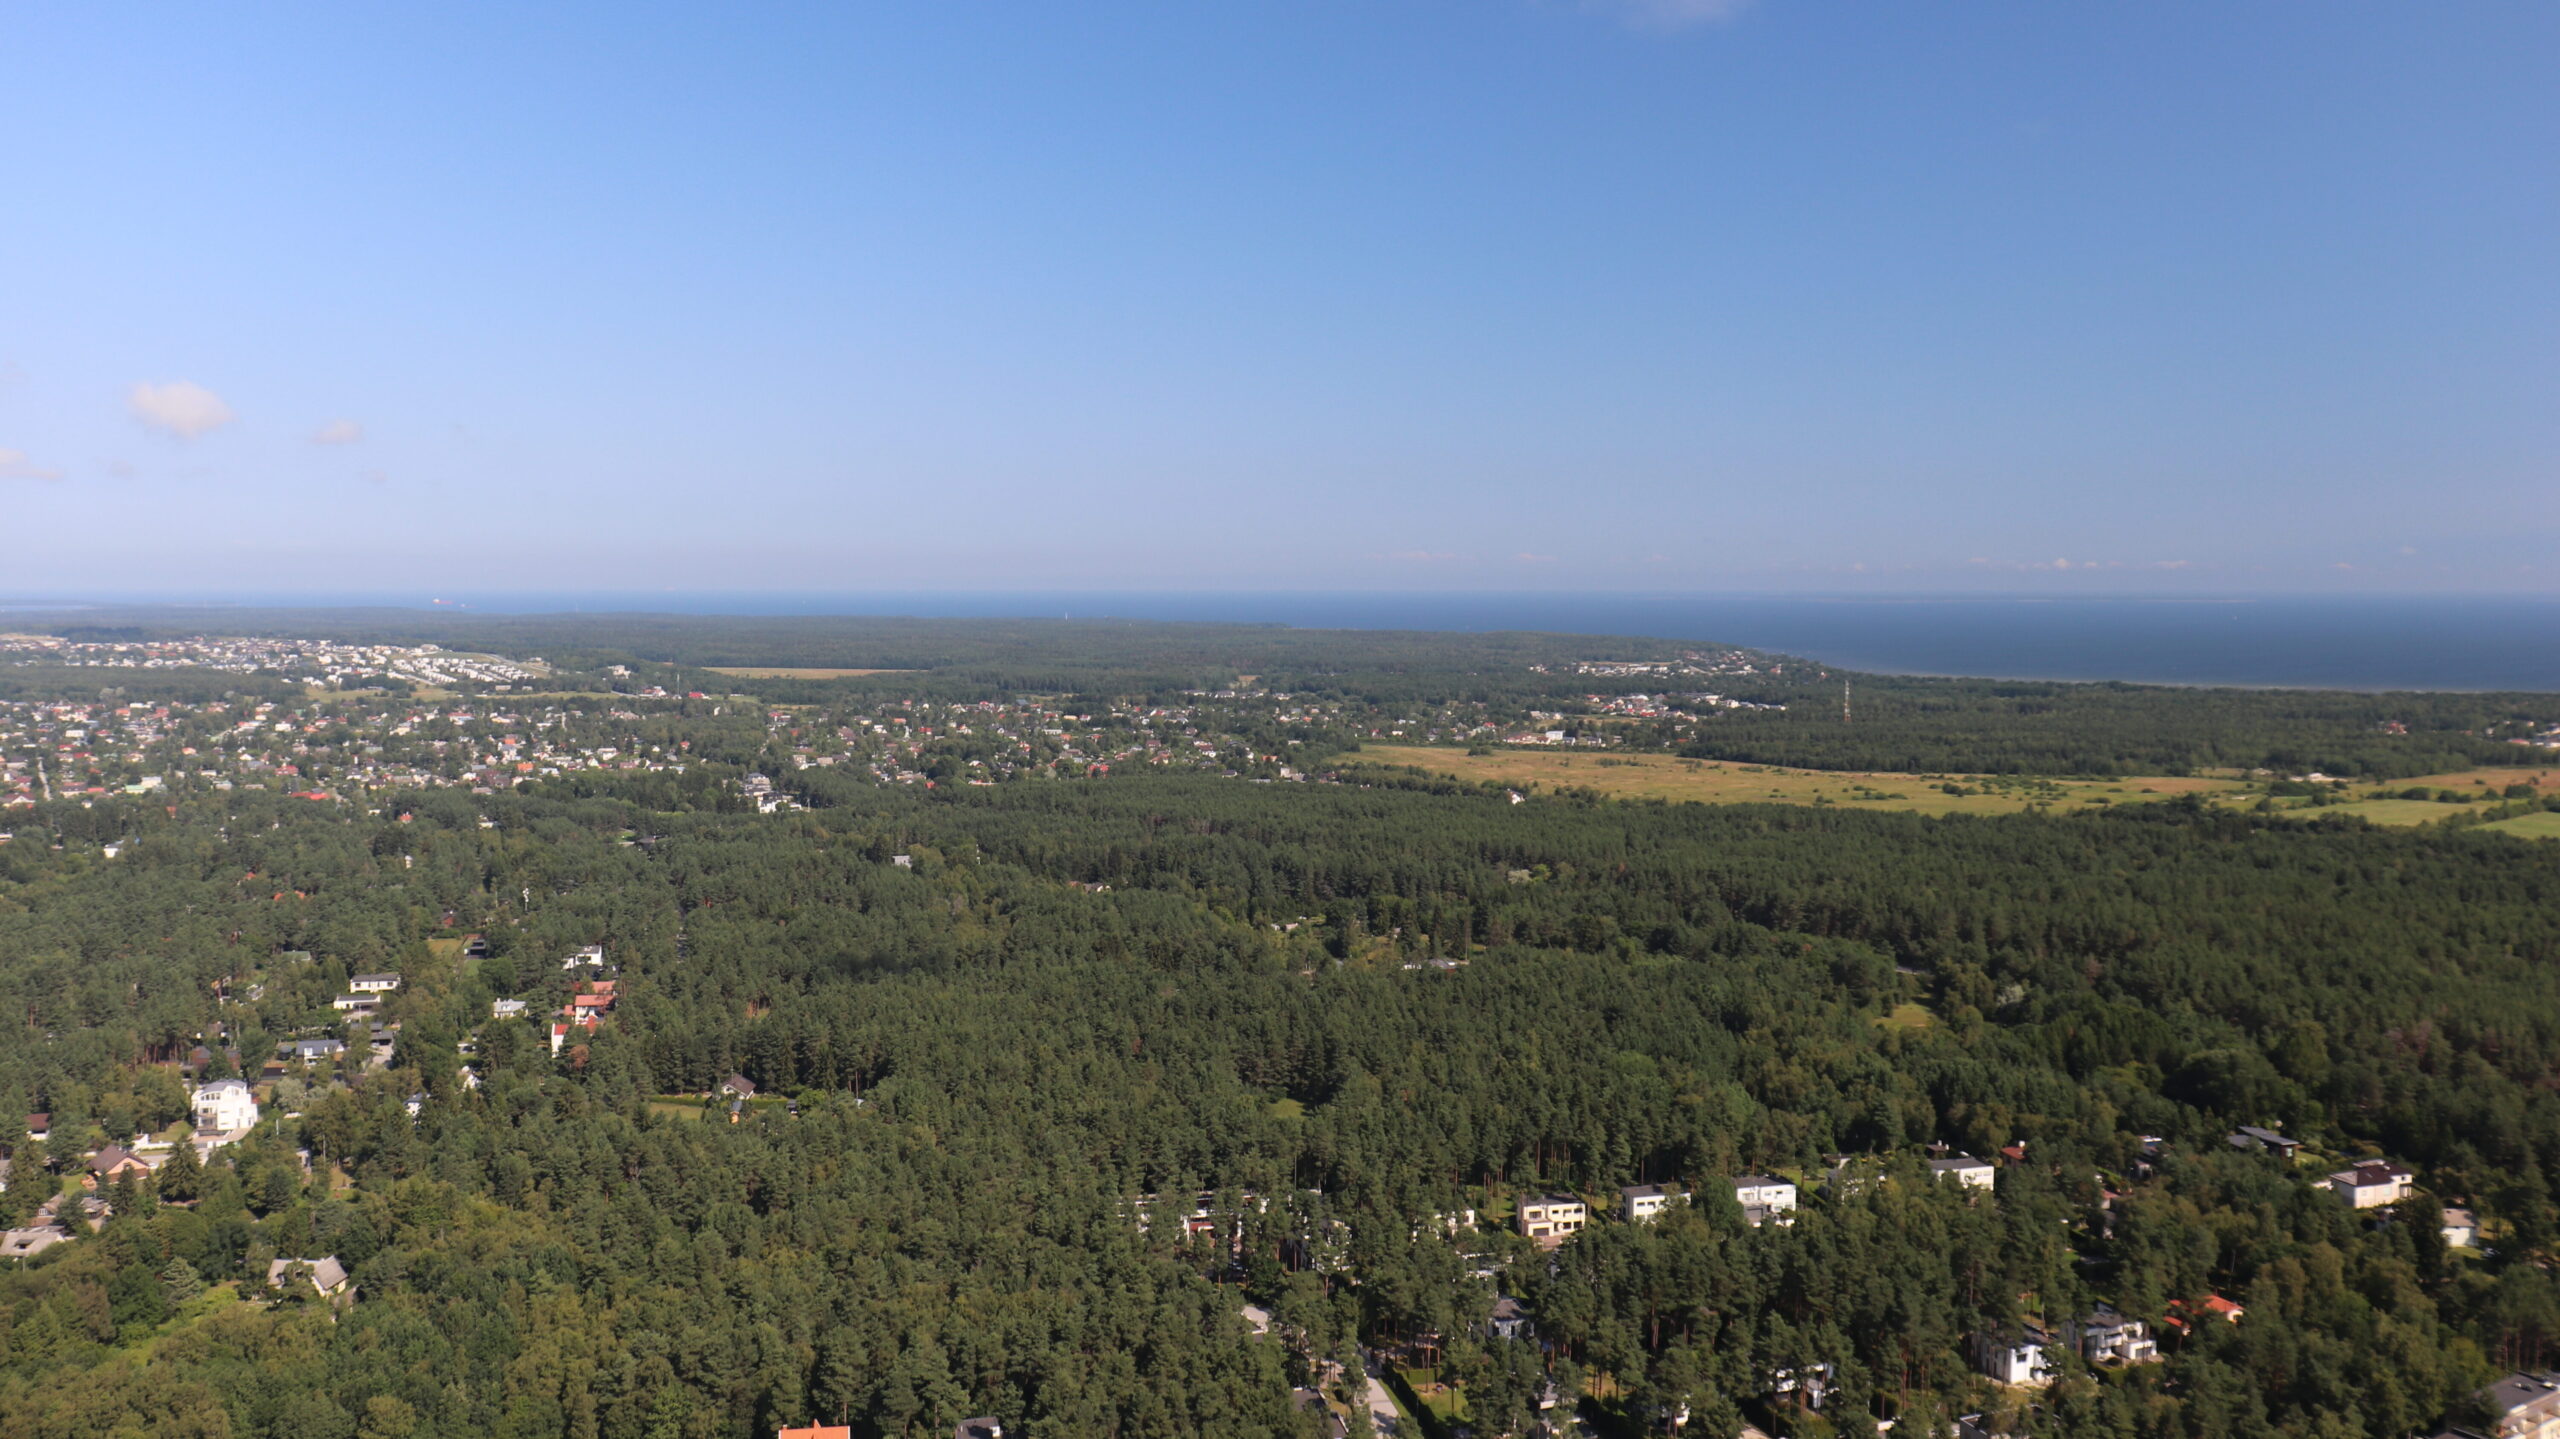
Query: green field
[[2545, 825]]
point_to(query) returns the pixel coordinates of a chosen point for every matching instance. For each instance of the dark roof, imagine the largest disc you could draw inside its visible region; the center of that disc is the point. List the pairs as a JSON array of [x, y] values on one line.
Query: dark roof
[[2517, 1391]]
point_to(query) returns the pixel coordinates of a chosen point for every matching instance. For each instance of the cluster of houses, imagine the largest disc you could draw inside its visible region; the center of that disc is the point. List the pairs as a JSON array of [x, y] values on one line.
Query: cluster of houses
[[594, 1000], [1551, 1219]]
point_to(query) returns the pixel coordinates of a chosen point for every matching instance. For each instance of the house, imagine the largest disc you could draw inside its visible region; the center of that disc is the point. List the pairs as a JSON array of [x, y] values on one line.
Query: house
[[326, 1276], [1510, 1320], [739, 1085], [225, 1107], [2372, 1184], [2524, 1406], [592, 957], [507, 1008], [310, 1051], [2263, 1141], [374, 983], [1644, 1201], [1551, 1219], [1966, 1170], [1810, 1386], [115, 1161], [2019, 1358], [2213, 1306], [31, 1241], [816, 1431], [1764, 1198], [2104, 1336], [356, 1004], [2461, 1230], [39, 1127], [978, 1429]]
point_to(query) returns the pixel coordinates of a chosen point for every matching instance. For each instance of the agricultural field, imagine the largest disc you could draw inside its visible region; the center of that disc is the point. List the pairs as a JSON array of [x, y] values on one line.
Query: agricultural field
[[1669, 777]]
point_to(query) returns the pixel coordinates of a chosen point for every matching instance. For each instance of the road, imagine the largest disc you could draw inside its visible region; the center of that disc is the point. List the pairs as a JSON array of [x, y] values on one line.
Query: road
[[1382, 1405]]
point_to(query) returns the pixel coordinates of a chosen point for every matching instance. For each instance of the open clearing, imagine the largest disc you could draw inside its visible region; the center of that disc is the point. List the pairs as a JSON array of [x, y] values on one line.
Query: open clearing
[[1669, 777], [769, 672], [2545, 825]]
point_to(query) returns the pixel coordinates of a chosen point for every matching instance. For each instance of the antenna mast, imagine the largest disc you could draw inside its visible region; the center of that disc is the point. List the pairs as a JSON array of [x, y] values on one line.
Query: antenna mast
[[1844, 701]]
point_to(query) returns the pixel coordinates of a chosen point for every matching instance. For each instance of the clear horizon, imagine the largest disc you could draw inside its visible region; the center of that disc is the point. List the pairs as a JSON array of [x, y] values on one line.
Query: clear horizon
[[1568, 296]]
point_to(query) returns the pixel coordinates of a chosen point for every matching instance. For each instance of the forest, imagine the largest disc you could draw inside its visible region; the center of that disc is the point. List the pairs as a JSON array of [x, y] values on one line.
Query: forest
[[1361, 1022]]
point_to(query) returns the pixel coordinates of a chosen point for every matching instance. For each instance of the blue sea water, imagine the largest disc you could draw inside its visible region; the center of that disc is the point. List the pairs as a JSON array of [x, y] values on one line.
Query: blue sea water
[[2364, 643]]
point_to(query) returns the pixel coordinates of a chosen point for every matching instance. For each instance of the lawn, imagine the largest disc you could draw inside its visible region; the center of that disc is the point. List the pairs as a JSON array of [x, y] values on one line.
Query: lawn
[[1906, 1015], [2545, 825], [1669, 777], [2393, 811]]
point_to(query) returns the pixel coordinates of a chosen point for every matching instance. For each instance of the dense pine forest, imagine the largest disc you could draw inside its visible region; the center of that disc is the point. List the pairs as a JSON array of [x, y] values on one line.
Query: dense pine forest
[[1364, 1022]]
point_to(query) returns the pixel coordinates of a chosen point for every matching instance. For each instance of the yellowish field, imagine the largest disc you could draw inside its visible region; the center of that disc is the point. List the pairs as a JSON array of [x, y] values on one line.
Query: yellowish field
[[2491, 780], [1667, 777], [767, 672]]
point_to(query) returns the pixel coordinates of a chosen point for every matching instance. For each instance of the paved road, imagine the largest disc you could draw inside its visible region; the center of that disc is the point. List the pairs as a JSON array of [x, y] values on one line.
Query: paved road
[[1382, 1405]]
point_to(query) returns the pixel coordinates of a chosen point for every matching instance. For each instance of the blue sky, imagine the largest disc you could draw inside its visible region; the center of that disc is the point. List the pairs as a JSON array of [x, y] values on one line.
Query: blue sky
[[1465, 294]]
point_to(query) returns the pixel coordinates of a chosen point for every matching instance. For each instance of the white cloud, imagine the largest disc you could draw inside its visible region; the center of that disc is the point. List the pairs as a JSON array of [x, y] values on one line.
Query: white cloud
[[180, 407], [1670, 14], [338, 432], [14, 465], [1526, 558], [1416, 557]]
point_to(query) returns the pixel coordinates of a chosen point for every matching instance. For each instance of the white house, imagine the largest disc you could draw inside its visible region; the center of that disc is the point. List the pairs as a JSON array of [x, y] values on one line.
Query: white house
[[226, 1107], [1644, 1201], [374, 983], [592, 957], [1764, 1197], [507, 1008], [2103, 1335], [2461, 1230], [2372, 1184], [2014, 1359], [1967, 1170], [1551, 1219], [356, 1003]]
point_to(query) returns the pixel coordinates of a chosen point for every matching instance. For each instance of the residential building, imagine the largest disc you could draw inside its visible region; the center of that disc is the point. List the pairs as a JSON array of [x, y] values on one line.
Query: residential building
[[1644, 1201], [357, 1004], [2103, 1336], [326, 1275], [507, 1008], [739, 1085], [114, 1161], [314, 1050], [2019, 1358], [816, 1431], [1965, 1169], [2461, 1230], [1551, 1219], [2524, 1406], [225, 1107], [2264, 1141], [591, 957], [1510, 1320], [1765, 1198], [2372, 1184], [374, 983]]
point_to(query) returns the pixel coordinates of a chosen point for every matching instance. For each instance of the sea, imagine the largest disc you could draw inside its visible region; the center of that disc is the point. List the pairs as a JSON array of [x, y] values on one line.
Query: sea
[[2431, 642]]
